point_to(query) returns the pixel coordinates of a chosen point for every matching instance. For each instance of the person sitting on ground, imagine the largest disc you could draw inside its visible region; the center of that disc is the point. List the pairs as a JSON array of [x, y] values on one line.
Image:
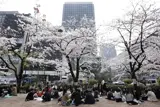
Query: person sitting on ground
[[2, 94], [32, 87], [64, 98], [48, 89], [14, 90], [40, 93], [36, 93], [89, 99], [130, 98], [9, 89], [110, 95], [118, 96], [30, 95], [151, 96], [47, 96], [77, 99], [96, 95], [55, 94], [144, 96], [83, 94]]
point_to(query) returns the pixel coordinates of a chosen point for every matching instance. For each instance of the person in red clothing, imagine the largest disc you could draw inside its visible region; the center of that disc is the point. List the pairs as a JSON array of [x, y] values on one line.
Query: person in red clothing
[[40, 93], [48, 89]]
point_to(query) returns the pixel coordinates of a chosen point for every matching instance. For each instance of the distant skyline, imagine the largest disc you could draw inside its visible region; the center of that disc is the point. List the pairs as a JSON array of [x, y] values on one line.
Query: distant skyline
[[105, 10]]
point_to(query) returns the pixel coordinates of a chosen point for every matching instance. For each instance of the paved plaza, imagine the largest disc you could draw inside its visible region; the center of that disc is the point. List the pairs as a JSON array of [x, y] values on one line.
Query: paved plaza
[[18, 101]]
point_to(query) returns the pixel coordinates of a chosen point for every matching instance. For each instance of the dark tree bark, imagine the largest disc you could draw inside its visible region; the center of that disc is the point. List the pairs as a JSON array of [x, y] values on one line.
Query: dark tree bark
[[70, 68]]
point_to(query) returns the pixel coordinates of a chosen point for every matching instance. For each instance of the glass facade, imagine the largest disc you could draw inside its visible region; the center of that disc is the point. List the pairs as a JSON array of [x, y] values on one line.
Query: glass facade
[[77, 10], [3, 15]]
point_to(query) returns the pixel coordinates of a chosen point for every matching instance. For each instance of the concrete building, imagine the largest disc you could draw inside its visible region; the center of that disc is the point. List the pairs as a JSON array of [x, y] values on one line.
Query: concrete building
[[9, 19]]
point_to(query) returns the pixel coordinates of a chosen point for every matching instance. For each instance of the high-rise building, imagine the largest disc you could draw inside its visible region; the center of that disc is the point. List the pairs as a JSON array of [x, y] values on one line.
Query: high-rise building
[[77, 10], [4, 15], [8, 19], [73, 15]]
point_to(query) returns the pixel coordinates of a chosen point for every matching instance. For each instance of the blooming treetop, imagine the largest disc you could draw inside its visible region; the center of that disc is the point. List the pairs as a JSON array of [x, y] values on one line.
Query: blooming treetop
[[48, 39]]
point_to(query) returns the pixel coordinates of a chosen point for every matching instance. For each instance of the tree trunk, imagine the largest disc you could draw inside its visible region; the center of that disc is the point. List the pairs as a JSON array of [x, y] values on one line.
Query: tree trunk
[[77, 70], [70, 68], [18, 85], [136, 88], [75, 79], [133, 75], [20, 75], [75, 83]]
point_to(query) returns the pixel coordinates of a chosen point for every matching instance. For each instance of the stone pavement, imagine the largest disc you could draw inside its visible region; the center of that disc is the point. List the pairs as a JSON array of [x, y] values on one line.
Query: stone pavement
[[18, 101]]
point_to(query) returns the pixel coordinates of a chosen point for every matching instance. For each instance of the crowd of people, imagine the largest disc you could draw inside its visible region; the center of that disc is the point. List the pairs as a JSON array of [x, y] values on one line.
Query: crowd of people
[[9, 91], [69, 95], [128, 97], [64, 95]]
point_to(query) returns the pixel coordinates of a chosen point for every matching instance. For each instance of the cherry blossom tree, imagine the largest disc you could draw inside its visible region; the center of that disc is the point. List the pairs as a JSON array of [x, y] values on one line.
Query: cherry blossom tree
[[139, 23], [15, 43], [75, 45], [152, 52]]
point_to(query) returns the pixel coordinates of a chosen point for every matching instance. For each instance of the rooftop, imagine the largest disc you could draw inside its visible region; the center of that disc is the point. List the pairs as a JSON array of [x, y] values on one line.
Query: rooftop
[[8, 12], [78, 3]]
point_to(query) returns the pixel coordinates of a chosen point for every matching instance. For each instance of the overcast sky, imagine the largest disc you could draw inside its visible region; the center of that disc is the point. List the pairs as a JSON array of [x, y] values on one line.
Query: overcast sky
[[105, 10]]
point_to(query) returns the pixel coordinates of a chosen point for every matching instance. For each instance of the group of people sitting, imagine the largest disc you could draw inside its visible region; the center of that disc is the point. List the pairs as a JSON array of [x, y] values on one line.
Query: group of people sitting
[[46, 94], [10, 91], [77, 96], [128, 96], [65, 97]]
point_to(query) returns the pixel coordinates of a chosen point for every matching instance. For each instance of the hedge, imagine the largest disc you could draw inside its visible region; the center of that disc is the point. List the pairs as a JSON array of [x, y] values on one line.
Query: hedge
[[127, 81], [158, 81], [4, 86], [92, 81]]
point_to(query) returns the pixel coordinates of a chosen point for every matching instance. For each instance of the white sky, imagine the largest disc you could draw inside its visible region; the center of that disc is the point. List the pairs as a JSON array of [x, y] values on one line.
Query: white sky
[[105, 10]]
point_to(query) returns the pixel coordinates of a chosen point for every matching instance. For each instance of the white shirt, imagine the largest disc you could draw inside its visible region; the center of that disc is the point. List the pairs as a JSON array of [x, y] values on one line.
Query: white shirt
[[151, 96], [129, 97], [117, 95]]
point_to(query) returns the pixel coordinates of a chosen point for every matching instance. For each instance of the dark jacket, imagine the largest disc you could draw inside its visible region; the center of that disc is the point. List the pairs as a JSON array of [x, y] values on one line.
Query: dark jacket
[[89, 99], [29, 96], [46, 97]]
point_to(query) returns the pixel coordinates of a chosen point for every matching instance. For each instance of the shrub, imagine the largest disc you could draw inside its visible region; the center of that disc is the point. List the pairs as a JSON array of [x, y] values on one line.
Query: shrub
[[25, 88], [158, 81], [92, 82], [4, 86], [127, 81]]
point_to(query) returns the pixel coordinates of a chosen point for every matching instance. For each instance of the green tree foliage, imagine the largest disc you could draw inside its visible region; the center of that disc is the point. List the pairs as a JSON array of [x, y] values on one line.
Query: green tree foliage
[[158, 81], [127, 81], [92, 81]]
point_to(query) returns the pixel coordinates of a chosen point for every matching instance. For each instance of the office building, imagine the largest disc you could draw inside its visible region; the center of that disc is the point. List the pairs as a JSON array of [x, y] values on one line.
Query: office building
[[76, 11], [4, 14]]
